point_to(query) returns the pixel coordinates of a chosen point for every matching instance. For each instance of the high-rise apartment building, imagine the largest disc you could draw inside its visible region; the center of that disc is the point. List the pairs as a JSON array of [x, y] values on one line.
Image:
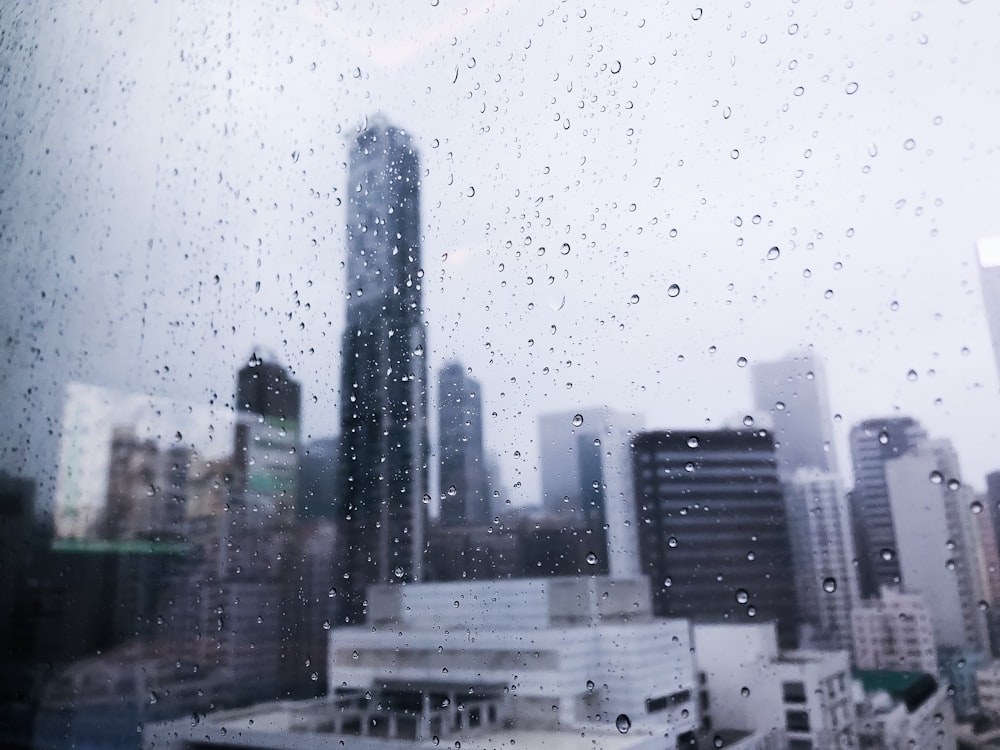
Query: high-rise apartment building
[[383, 392], [873, 443], [268, 403], [462, 474], [712, 528], [894, 632], [793, 392], [823, 551], [933, 518]]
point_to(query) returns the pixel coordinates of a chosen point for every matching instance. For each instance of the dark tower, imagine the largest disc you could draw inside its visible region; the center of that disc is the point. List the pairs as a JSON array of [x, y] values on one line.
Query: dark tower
[[268, 403], [383, 413], [713, 532]]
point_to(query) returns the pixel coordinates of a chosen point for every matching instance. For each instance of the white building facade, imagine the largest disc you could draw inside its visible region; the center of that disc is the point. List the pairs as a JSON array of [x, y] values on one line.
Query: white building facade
[[894, 632]]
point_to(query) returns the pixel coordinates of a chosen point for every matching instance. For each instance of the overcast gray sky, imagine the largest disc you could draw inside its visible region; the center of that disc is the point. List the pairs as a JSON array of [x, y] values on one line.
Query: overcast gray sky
[[162, 160]]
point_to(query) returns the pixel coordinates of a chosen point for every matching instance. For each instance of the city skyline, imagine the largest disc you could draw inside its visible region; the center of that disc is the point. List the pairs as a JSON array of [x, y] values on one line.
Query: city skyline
[[902, 299]]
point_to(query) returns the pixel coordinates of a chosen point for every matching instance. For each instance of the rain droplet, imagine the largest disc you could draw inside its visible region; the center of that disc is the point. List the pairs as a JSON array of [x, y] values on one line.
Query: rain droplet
[[742, 597], [590, 685], [936, 477], [773, 253], [911, 375], [851, 88], [623, 723], [692, 442], [829, 585], [673, 290], [887, 554], [909, 144], [564, 249], [616, 67], [745, 692], [748, 421], [471, 191], [634, 299], [591, 558], [883, 438], [672, 542], [741, 362], [696, 14], [976, 507], [577, 420], [734, 154]]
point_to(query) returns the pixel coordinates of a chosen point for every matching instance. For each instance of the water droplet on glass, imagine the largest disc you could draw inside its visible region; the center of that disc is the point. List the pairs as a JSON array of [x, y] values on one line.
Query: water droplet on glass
[[591, 558], [741, 362], [745, 692], [692, 442], [909, 144], [773, 253], [976, 507], [851, 87], [742, 597], [623, 723], [634, 299], [829, 585], [673, 290], [936, 477], [734, 154], [696, 14], [616, 67], [748, 421], [887, 554], [883, 438], [577, 420]]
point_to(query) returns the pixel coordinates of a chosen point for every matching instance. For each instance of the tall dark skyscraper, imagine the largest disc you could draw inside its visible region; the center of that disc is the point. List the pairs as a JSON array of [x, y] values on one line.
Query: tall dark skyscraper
[[793, 391], [268, 405], [873, 443], [713, 533], [383, 408], [464, 488]]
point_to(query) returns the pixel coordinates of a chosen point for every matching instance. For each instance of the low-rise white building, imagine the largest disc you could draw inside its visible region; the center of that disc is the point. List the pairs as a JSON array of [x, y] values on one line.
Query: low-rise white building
[[904, 710], [749, 684], [894, 632], [565, 662]]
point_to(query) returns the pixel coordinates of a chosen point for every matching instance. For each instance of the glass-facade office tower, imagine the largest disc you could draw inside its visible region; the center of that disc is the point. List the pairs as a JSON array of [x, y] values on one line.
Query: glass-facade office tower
[[382, 476], [713, 533], [464, 488], [873, 443], [793, 391]]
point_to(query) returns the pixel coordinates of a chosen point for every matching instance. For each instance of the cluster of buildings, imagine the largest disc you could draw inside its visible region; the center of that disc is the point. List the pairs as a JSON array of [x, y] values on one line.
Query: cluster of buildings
[[674, 588]]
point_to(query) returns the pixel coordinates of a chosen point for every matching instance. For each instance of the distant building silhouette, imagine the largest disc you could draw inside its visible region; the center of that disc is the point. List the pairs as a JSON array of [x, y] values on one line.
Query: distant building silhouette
[[873, 443], [713, 534], [463, 481], [268, 405], [318, 465], [383, 409], [988, 254], [793, 391]]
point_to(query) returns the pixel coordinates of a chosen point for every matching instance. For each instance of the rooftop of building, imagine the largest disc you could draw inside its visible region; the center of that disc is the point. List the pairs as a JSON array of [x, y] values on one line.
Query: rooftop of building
[[911, 689]]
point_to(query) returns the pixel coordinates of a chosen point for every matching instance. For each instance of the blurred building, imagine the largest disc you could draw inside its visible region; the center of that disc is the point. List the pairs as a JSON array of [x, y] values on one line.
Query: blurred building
[[531, 663], [462, 470], [988, 254], [712, 527], [874, 442], [903, 710], [318, 465], [935, 541], [806, 697], [894, 632], [268, 404], [383, 473], [793, 392], [474, 553], [17, 522], [823, 551], [587, 483]]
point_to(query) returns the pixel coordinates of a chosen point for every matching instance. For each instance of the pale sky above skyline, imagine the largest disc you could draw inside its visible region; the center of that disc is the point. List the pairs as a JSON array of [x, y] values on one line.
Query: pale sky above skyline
[[165, 160]]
